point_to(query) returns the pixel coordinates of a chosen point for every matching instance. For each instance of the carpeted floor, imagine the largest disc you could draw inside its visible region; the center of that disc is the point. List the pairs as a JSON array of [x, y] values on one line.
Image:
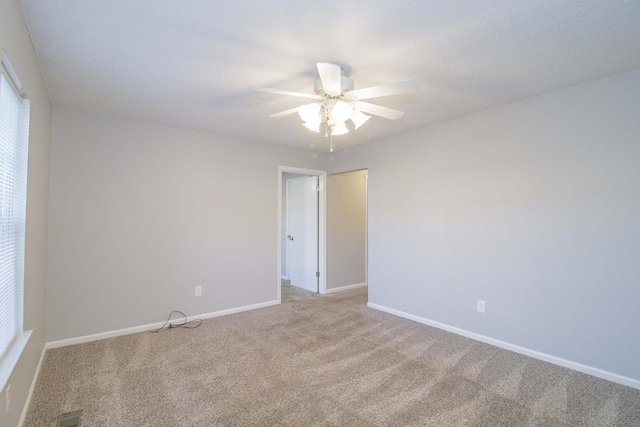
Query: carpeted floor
[[293, 293], [317, 360]]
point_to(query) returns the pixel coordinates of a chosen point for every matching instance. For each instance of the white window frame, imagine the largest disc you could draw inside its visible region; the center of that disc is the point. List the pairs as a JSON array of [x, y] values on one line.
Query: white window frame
[[12, 353]]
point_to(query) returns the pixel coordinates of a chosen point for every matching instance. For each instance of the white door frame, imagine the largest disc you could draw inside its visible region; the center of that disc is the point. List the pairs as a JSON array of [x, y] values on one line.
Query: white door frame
[[322, 225]]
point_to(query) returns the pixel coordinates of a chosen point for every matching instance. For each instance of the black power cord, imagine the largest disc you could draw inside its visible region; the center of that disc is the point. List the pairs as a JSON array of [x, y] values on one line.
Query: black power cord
[[168, 325]]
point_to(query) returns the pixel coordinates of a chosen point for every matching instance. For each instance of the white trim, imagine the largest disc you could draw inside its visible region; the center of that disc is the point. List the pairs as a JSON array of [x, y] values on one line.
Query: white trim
[[234, 310], [143, 328], [25, 409], [284, 277], [346, 288], [366, 226], [12, 356], [610, 376], [6, 64]]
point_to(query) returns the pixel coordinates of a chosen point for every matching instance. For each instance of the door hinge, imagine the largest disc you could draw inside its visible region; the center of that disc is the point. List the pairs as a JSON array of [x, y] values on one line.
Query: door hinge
[[317, 188], [317, 274]]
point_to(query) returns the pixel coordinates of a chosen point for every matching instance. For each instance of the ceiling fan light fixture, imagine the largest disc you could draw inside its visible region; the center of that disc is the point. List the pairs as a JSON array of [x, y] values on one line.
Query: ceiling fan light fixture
[[339, 129], [313, 124], [341, 111], [359, 118], [310, 112]]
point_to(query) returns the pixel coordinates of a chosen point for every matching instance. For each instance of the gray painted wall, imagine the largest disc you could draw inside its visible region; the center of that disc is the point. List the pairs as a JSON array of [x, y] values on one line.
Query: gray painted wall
[[533, 207], [15, 41], [144, 213], [346, 229]]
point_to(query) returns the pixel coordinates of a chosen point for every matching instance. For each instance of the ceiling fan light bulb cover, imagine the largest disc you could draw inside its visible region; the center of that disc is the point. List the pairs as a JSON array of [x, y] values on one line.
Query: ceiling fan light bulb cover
[[312, 126], [309, 111], [339, 129], [341, 111], [359, 118]]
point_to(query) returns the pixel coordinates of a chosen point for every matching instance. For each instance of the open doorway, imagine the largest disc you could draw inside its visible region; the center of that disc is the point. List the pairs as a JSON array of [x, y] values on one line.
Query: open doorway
[[301, 229], [347, 230]]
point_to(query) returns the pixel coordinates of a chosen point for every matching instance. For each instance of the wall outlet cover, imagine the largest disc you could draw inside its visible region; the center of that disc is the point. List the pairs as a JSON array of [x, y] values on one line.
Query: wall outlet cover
[[481, 305]]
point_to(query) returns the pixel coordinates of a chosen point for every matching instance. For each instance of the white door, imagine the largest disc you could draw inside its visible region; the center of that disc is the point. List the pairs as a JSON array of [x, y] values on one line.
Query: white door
[[302, 232]]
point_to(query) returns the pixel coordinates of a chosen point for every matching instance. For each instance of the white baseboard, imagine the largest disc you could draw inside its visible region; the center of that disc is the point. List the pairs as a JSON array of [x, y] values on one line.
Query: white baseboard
[[284, 277], [346, 288], [235, 310], [610, 376], [25, 409], [142, 328]]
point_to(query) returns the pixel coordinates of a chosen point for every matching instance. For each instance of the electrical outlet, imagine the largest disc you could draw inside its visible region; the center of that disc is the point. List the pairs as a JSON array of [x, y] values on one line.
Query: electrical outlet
[[198, 291], [7, 400], [481, 305]]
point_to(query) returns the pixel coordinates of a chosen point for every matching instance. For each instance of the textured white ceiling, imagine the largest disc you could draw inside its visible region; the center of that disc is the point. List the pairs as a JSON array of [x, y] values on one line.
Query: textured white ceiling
[[191, 63]]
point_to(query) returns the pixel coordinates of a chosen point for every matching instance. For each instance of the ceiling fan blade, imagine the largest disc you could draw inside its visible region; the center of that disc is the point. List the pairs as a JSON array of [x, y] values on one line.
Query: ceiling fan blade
[[397, 88], [331, 77], [285, 112], [377, 110], [286, 92]]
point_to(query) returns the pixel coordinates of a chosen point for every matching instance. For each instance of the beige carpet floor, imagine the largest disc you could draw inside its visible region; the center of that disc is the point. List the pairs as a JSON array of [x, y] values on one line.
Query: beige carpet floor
[[293, 293], [315, 361]]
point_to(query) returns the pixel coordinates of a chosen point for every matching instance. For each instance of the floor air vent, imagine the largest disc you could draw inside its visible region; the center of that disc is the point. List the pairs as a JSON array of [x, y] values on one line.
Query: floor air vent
[[69, 420]]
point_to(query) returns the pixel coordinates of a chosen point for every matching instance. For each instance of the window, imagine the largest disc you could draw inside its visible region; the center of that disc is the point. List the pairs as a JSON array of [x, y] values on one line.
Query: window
[[14, 140]]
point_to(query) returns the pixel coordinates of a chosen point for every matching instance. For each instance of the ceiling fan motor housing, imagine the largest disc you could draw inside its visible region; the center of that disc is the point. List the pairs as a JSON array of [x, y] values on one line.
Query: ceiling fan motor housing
[[346, 83]]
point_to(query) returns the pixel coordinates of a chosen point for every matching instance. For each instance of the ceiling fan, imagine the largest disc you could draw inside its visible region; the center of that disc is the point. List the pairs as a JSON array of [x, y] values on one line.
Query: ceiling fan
[[336, 101]]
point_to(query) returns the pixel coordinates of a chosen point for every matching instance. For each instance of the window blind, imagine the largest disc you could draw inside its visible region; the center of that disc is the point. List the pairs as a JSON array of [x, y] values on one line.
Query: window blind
[[14, 140]]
